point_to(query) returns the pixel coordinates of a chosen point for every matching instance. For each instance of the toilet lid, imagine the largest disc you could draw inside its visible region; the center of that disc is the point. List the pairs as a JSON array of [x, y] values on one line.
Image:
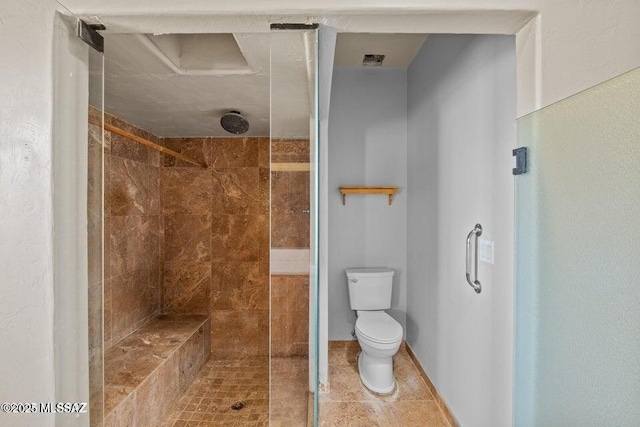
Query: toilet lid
[[378, 326]]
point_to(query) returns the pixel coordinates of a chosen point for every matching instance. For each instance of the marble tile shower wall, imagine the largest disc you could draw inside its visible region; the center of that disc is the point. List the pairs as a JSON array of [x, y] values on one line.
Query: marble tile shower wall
[[132, 232], [290, 195], [181, 239], [215, 240], [290, 229]]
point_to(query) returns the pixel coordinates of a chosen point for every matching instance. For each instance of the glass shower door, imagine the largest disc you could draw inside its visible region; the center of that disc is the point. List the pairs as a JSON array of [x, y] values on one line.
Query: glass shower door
[[78, 220], [577, 260], [293, 207], [95, 235]]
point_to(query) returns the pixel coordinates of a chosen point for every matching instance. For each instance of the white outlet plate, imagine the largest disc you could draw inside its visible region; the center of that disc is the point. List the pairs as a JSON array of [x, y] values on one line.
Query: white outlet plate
[[485, 251]]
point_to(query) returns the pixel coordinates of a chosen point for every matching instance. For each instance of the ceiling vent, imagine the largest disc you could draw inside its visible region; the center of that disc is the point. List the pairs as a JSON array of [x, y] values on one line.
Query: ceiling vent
[[372, 60]]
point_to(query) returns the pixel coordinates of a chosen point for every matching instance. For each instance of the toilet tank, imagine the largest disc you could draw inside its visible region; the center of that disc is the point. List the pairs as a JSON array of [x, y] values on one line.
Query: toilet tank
[[370, 288]]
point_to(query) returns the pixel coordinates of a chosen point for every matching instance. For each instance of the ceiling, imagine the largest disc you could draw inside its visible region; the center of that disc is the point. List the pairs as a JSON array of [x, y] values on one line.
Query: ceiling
[[179, 85], [399, 49], [176, 86]]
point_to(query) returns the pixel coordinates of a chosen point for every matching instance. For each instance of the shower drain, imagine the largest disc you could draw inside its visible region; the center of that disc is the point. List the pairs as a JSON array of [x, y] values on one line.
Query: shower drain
[[237, 406]]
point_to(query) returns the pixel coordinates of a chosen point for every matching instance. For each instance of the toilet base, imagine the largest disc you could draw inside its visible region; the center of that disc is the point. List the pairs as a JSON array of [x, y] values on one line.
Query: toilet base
[[376, 373]]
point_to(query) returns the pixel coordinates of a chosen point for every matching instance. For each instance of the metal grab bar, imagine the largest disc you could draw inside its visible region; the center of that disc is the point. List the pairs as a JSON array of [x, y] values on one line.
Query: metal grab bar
[[476, 283]]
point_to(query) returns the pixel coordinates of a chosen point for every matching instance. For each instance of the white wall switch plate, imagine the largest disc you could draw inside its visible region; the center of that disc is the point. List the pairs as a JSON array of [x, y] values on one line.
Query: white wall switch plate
[[485, 251]]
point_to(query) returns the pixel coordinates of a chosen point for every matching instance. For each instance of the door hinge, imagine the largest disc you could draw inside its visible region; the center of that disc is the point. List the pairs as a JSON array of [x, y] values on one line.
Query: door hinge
[[89, 34], [294, 26], [521, 160]]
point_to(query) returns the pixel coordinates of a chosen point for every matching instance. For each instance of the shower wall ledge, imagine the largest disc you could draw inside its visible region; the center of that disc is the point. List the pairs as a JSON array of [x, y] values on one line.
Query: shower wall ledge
[[149, 370], [290, 262]]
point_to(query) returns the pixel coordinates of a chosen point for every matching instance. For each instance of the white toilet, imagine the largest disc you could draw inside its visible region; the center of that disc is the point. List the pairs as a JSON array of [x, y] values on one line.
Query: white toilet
[[379, 334]]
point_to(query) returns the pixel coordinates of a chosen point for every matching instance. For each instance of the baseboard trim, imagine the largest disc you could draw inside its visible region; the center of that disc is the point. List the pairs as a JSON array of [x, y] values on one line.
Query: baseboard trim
[[353, 344], [439, 400], [343, 344]]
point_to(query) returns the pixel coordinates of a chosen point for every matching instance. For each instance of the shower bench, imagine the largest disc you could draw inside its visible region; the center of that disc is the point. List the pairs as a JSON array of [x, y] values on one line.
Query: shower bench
[[150, 369]]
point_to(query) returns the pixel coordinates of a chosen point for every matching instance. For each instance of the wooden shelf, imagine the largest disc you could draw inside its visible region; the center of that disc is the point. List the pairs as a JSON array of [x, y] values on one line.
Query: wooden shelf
[[389, 191]]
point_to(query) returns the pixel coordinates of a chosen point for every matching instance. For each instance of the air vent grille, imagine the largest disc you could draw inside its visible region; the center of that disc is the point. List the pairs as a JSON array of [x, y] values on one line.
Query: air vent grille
[[372, 60]]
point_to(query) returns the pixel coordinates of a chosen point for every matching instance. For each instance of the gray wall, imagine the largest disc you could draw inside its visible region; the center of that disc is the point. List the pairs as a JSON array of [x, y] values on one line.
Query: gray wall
[[461, 129], [367, 146], [326, 49]]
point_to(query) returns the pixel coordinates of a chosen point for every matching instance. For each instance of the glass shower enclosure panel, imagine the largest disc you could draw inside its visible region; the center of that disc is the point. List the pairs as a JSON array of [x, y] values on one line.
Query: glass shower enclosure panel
[[577, 260], [78, 219], [293, 240], [95, 235]]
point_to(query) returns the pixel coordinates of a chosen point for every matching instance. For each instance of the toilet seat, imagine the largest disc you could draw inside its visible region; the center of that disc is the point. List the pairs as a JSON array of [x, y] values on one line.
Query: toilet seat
[[378, 327]]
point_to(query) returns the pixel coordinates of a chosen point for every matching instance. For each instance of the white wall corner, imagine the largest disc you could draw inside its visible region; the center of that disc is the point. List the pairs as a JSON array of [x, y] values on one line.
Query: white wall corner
[[528, 67], [326, 49]]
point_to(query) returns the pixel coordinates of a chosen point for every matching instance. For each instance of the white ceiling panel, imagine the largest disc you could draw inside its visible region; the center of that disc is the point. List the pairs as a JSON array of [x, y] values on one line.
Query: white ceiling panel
[[399, 49], [146, 90]]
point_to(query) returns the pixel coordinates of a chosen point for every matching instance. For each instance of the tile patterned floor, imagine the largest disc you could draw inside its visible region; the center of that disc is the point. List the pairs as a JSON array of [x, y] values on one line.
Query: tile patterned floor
[[221, 383], [349, 403], [208, 400]]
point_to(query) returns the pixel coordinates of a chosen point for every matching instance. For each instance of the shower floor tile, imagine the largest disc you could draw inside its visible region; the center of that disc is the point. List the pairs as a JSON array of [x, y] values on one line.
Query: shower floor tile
[[221, 383], [349, 403]]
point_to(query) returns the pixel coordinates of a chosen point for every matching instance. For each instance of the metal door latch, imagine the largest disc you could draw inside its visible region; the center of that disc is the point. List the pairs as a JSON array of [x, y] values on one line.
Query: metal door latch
[[521, 160]]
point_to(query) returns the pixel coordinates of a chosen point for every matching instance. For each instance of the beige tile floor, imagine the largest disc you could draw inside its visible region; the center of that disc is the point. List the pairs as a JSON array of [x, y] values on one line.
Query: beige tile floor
[[220, 383], [208, 400], [349, 403]]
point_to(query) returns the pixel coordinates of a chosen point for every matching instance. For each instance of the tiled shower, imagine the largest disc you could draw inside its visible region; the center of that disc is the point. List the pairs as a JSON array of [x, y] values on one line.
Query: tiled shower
[[186, 278], [201, 260]]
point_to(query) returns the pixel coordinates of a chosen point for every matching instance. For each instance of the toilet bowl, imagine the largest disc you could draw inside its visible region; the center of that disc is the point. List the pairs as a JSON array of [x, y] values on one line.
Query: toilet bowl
[[379, 336]]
